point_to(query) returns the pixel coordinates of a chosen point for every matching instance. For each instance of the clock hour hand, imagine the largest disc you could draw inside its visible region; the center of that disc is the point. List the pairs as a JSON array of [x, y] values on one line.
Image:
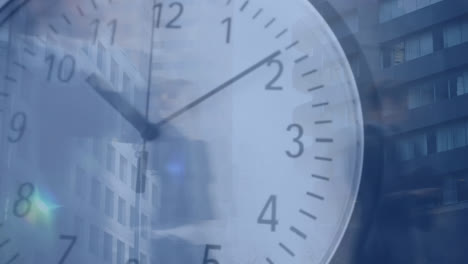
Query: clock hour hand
[[147, 130], [218, 89]]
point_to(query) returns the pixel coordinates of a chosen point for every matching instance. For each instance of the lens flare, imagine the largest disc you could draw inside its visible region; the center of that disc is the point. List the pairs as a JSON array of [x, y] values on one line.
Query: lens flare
[[42, 209]]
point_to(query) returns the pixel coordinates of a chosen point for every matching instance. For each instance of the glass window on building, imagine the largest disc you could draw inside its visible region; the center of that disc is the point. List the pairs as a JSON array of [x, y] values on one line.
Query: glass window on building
[[133, 217], [123, 169], [107, 250], [110, 160], [109, 203], [391, 9], [121, 214], [127, 87], [458, 84], [427, 43], [97, 149], [464, 30], [412, 48], [411, 147], [93, 240], [462, 187], [144, 226], [452, 35], [385, 11], [414, 95], [438, 89], [101, 58], [465, 83], [408, 49], [456, 33], [120, 252], [143, 259], [114, 74], [398, 54], [95, 193], [443, 139], [421, 95], [80, 182], [449, 191], [418, 46], [4, 33], [410, 5], [427, 94], [134, 177], [451, 137], [459, 135], [154, 195], [132, 253], [137, 99], [145, 194], [442, 91], [85, 49], [79, 232], [405, 151], [420, 145]]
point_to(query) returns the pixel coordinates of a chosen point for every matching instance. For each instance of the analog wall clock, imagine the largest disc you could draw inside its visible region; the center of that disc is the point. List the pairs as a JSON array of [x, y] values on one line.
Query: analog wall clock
[[210, 132]]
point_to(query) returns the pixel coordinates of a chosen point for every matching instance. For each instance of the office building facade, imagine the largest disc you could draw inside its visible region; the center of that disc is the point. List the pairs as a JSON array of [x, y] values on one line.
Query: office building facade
[[413, 52]]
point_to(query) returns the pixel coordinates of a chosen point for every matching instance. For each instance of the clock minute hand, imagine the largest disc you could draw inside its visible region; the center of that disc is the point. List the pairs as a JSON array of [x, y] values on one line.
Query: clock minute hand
[[218, 89], [147, 130], [10, 8], [150, 131]]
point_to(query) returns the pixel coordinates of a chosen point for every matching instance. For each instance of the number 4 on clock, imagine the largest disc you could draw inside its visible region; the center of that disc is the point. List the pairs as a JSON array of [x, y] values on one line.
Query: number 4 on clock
[[269, 206]]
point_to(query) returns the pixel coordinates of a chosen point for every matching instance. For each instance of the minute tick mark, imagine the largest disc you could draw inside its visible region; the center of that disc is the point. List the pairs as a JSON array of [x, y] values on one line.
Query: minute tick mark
[[258, 13], [320, 104], [13, 258], [290, 46], [80, 10], [301, 59], [309, 73], [53, 29], [284, 31], [270, 23], [323, 122], [5, 242], [298, 232], [323, 159], [320, 177], [316, 196], [315, 88], [30, 52], [67, 20], [244, 6], [309, 215], [285, 248], [19, 65], [93, 2], [269, 261], [10, 79], [324, 140]]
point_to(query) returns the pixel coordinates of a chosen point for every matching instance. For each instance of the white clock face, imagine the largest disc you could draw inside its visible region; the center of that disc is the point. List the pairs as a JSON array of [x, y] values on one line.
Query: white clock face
[[249, 117]]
